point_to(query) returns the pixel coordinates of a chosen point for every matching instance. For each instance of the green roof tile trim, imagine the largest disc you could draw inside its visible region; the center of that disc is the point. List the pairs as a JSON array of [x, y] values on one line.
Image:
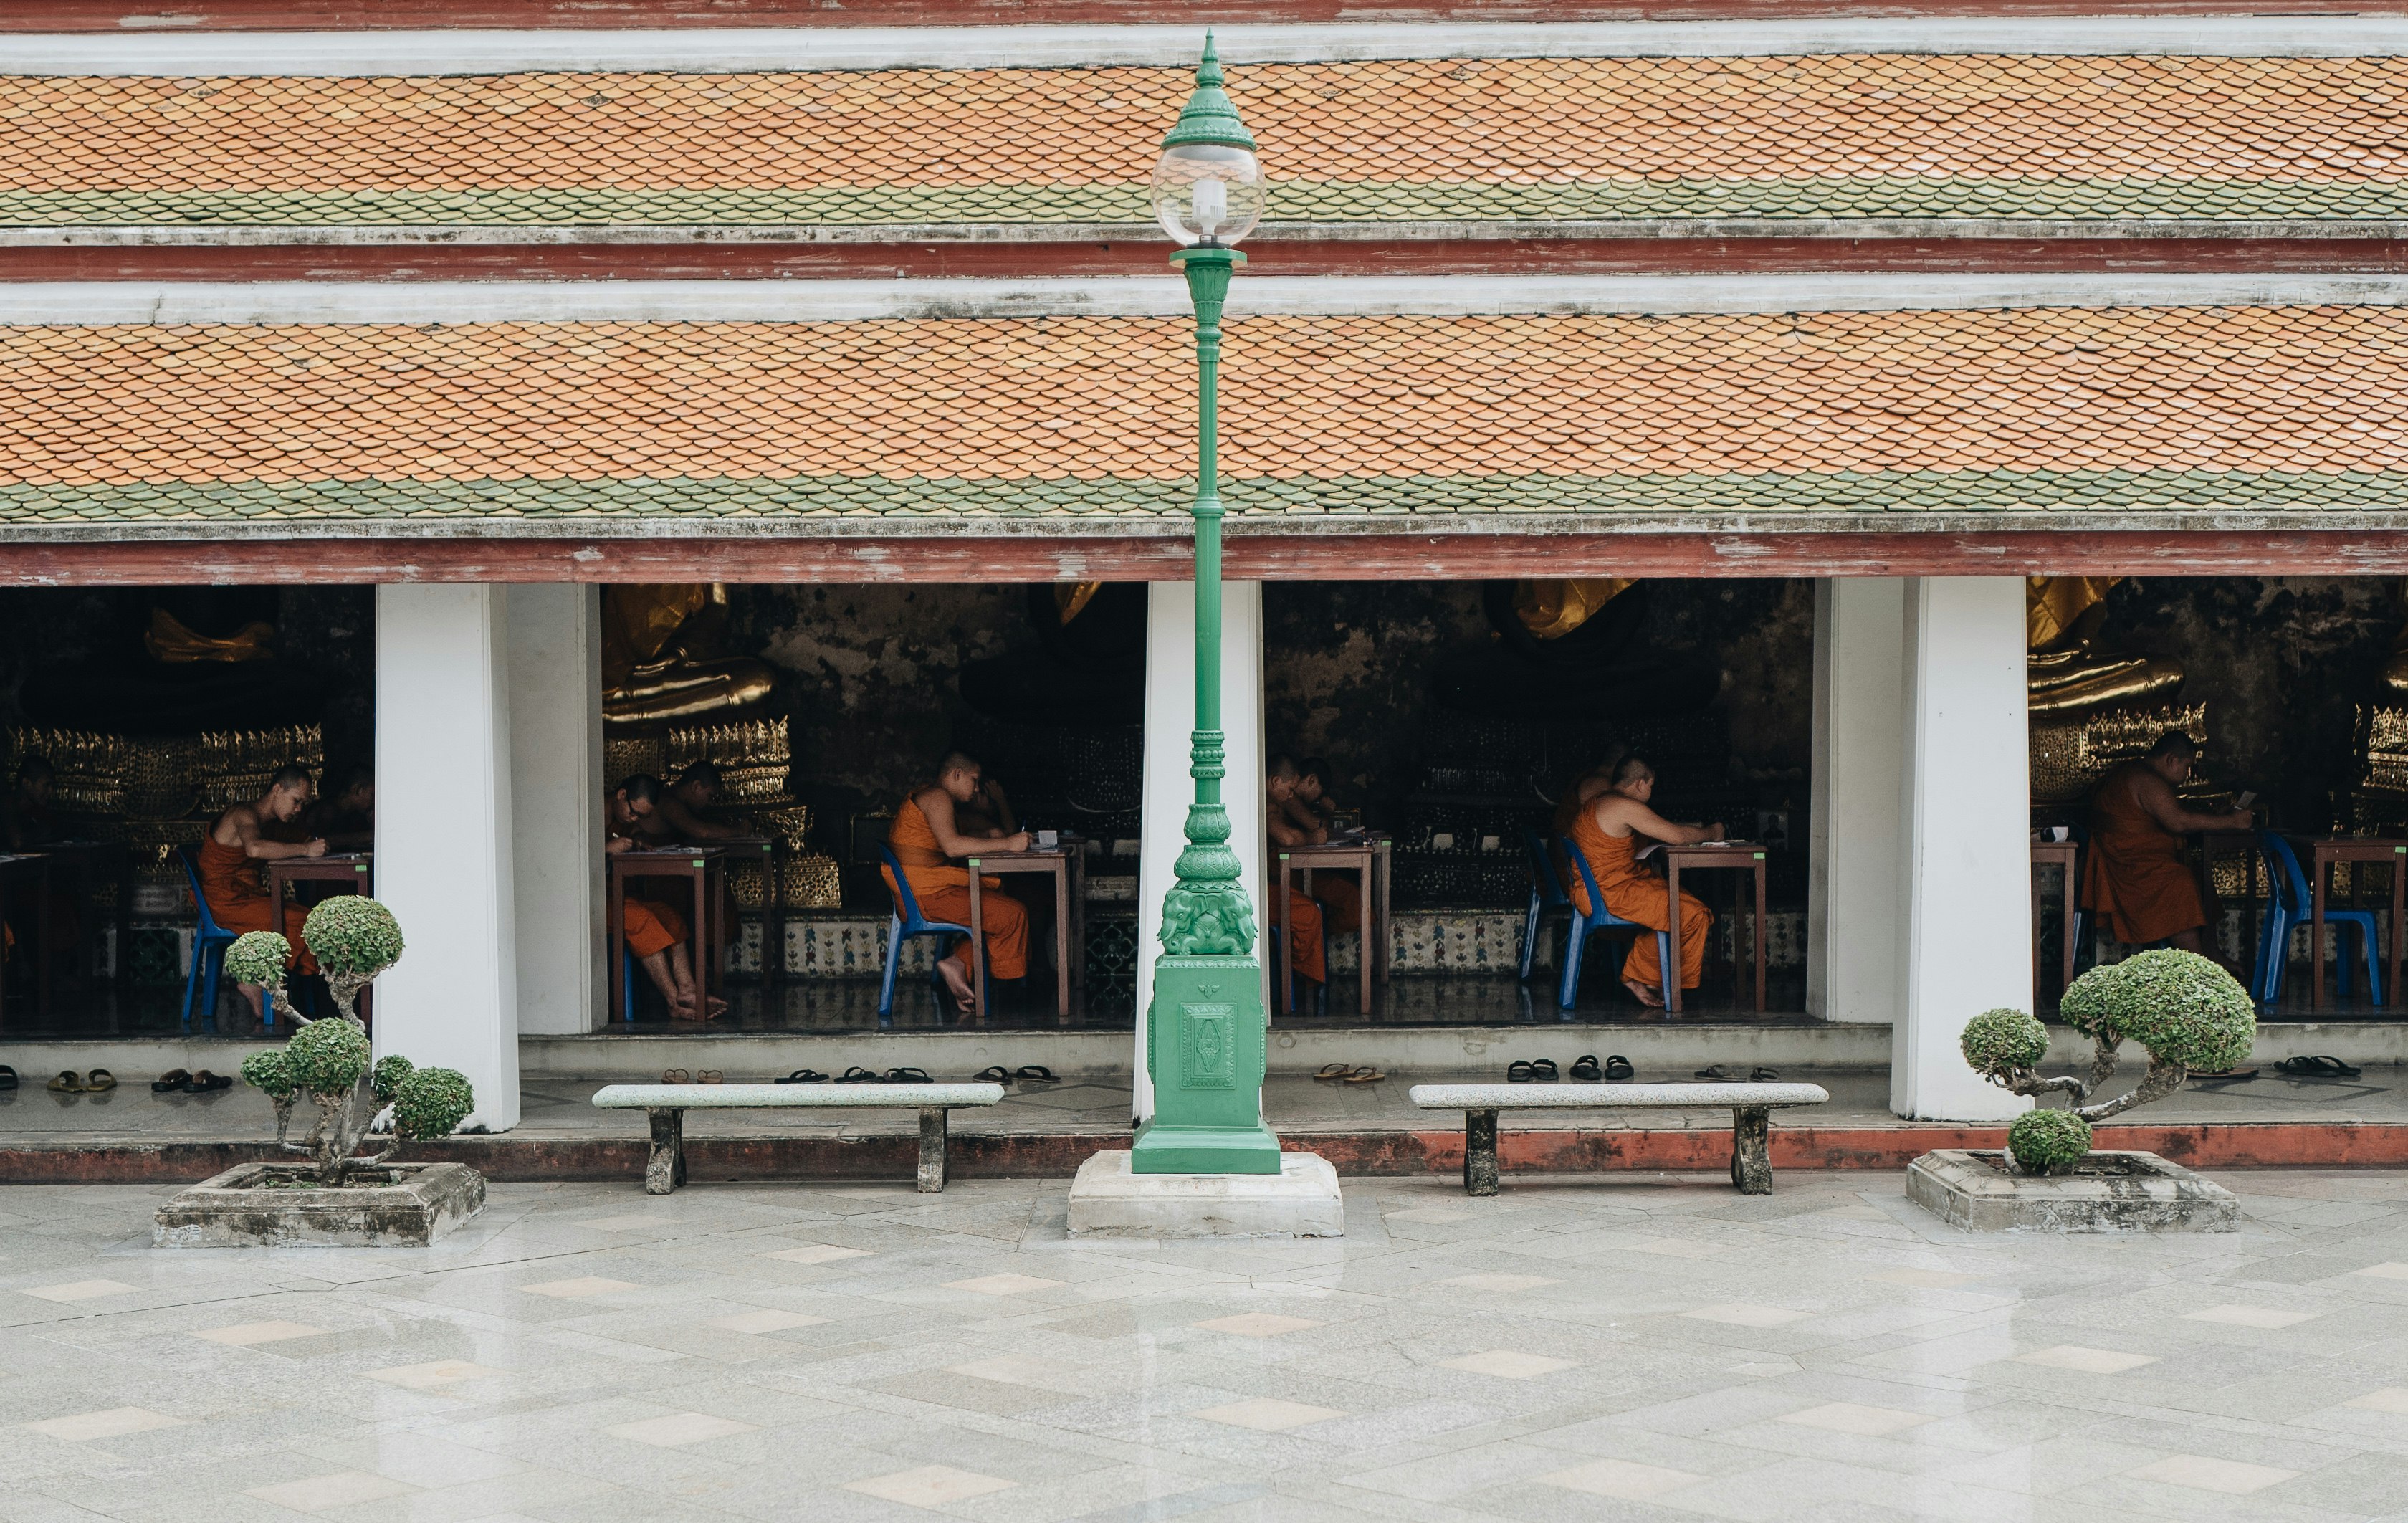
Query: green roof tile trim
[[804, 498], [1295, 201]]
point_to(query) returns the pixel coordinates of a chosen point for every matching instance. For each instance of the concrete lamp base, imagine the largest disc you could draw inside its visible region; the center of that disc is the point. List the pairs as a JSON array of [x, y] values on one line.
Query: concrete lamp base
[[1301, 1201]]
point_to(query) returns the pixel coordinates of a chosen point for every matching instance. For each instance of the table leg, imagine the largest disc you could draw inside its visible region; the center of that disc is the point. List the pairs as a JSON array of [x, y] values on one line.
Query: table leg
[[1079, 915], [665, 1170], [2317, 933], [2070, 913], [1672, 925], [1062, 940], [773, 920], [1280, 978], [697, 940], [2035, 914], [618, 1001], [933, 1127], [1385, 925], [977, 946], [1480, 1153], [1369, 953], [1761, 935], [1751, 1166], [2399, 906]]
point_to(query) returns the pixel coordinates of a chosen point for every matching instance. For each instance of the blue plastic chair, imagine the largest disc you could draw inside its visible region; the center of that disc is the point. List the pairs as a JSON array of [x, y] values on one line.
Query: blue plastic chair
[[2289, 903], [1546, 897], [902, 926], [1600, 918], [209, 942]]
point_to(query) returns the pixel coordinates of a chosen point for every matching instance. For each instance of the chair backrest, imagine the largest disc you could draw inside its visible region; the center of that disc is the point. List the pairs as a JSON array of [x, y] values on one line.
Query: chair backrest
[[1579, 859], [2285, 881], [191, 858], [1542, 870], [907, 909]]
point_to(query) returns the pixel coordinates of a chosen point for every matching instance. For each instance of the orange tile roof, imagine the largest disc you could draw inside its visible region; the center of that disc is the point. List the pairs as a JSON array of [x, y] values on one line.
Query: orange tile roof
[[1836, 136], [1089, 415]]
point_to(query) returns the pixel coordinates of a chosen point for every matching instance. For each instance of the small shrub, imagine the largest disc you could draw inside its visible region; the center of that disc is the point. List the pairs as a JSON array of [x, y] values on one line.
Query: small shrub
[[2180, 1006], [259, 957], [2044, 1140], [386, 1079], [430, 1102], [270, 1072], [327, 1056], [1998, 1041], [350, 933]]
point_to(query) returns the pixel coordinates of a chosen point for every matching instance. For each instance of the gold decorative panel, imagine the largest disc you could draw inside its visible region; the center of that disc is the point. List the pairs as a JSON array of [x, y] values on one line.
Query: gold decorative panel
[[2070, 756]]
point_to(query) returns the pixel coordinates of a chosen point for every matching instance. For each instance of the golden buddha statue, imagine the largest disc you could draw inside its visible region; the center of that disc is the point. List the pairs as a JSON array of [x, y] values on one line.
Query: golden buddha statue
[[2068, 674], [661, 660], [1550, 610]]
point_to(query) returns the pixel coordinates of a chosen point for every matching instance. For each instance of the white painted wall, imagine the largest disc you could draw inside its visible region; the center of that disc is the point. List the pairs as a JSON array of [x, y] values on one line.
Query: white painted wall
[[1169, 720], [556, 732], [443, 838], [1853, 906], [1965, 858]]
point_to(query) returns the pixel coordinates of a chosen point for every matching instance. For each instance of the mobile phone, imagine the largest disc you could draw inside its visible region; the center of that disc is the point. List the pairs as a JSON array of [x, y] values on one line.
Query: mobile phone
[[2243, 799]]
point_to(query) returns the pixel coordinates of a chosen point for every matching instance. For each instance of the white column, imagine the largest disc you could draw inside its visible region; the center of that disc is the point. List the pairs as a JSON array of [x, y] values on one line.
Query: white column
[[443, 838], [1169, 720], [1853, 906], [555, 731], [1966, 858]]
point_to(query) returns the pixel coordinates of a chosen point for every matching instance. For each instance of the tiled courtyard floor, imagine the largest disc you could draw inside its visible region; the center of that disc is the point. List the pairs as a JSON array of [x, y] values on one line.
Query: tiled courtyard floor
[[1634, 1347]]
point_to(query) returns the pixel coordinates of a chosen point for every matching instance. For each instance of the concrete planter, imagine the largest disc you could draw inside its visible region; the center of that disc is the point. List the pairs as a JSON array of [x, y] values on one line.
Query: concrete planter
[[244, 1208], [2104, 1192]]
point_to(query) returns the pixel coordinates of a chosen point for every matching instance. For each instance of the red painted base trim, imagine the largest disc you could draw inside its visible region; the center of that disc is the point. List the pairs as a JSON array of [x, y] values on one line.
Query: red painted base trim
[[1380, 1155], [373, 15], [1433, 555], [1935, 254]]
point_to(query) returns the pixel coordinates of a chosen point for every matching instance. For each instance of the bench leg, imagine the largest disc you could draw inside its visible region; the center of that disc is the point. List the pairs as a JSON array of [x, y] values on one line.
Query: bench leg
[[1480, 1153], [1751, 1150], [665, 1170], [934, 1124]]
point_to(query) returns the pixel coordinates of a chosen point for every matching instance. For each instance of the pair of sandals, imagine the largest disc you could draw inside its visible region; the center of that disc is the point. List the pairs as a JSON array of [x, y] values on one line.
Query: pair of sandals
[[1348, 1073], [1585, 1069], [2318, 1068], [891, 1076], [99, 1080], [1035, 1073], [176, 1081], [1721, 1075], [701, 1076]]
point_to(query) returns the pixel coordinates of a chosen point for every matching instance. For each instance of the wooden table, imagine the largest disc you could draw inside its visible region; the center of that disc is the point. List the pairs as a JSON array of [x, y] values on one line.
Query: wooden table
[[115, 858], [1737, 855], [348, 869], [1068, 863], [2244, 844], [2322, 855], [16, 871], [1366, 857], [2065, 854], [706, 869]]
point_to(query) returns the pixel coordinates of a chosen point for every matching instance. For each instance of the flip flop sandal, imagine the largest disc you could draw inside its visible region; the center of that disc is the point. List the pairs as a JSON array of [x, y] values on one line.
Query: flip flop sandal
[[1585, 1068], [1519, 1071], [67, 1083], [711, 1076], [1331, 1072], [1367, 1074], [1545, 1070], [172, 1080], [996, 1076], [908, 1076], [1618, 1068], [2226, 1075], [857, 1076], [8, 1077], [1036, 1073], [204, 1081], [803, 1077], [2321, 1067], [1762, 1076], [1718, 1074], [99, 1080], [676, 1076]]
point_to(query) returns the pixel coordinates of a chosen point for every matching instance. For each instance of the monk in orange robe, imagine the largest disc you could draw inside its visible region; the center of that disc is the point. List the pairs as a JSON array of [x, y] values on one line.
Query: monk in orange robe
[[1608, 833], [655, 932], [928, 840], [228, 866], [2135, 879], [1335, 901]]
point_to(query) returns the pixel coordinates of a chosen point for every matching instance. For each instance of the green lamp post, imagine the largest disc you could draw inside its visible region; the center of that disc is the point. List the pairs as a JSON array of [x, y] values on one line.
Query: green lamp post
[[1205, 1026]]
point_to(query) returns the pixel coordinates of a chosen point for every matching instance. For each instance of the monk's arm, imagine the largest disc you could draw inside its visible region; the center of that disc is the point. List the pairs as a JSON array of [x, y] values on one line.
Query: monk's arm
[[260, 849], [1283, 832], [689, 826], [1655, 827], [1000, 806], [1308, 826], [2158, 797], [937, 807]]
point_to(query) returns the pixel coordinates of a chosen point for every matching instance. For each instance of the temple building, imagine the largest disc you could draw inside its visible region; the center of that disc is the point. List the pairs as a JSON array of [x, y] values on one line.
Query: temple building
[[1885, 426]]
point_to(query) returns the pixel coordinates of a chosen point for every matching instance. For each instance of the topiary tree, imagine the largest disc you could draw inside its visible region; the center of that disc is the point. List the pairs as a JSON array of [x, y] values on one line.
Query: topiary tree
[[353, 938], [2186, 1012], [329, 1060]]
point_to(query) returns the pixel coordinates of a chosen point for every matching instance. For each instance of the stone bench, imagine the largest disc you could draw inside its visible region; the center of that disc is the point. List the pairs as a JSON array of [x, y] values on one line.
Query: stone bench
[[1750, 1106], [668, 1103]]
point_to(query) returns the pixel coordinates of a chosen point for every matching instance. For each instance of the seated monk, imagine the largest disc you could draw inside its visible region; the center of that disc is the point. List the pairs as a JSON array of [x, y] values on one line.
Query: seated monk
[[928, 840], [678, 819], [346, 822], [2135, 881], [989, 813], [229, 862], [1608, 833], [1336, 902], [655, 932]]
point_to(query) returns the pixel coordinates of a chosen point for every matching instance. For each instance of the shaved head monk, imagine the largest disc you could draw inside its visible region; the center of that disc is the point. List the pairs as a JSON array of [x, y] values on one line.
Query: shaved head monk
[[678, 817], [928, 838], [2136, 880], [655, 932], [1609, 831], [1336, 902], [228, 867]]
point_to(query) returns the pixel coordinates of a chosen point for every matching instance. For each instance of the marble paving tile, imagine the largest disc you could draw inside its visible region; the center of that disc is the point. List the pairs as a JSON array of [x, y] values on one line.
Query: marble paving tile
[[1006, 1285], [91, 1426], [817, 1253], [1258, 1324], [327, 1493], [770, 1319], [434, 1375], [1621, 1480], [2391, 1271], [77, 1290], [1267, 1415], [2202, 1472], [2390, 1399], [1744, 1315], [930, 1485], [251, 1334], [1853, 1417], [1507, 1364], [1506, 1284], [678, 1429], [2235, 1315], [2089, 1361], [580, 1287]]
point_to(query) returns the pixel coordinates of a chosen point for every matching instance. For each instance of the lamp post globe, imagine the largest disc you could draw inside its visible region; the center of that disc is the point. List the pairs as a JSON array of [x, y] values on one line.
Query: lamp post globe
[[1206, 1024]]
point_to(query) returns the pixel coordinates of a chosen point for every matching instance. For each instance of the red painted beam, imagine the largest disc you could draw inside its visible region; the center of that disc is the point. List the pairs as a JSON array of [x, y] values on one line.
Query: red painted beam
[[1938, 252], [964, 557], [369, 15]]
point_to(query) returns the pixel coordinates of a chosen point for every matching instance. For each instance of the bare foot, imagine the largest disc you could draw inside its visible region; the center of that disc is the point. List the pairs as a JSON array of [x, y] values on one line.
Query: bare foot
[[716, 1007], [1645, 993], [957, 984]]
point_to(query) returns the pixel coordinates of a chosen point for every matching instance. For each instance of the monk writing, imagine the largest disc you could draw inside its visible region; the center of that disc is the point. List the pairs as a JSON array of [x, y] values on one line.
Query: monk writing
[[1335, 901], [228, 867], [1608, 834], [2136, 880], [678, 818], [347, 821], [655, 932], [928, 838]]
